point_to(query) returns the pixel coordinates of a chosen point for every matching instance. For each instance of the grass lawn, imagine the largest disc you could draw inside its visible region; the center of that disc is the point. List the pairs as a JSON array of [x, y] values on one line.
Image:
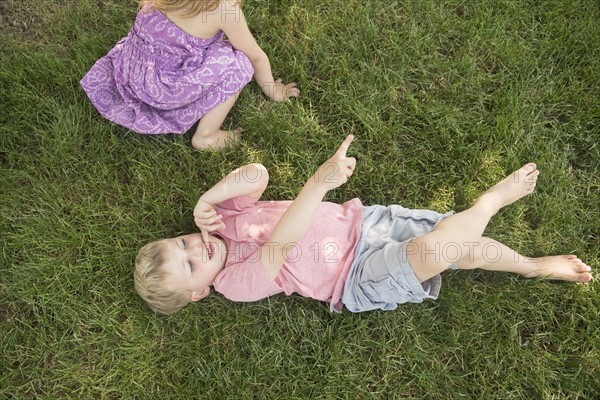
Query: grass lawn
[[444, 97]]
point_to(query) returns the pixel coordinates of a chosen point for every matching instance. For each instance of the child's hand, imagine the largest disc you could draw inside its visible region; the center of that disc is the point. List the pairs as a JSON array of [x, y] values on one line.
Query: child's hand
[[206, 218], [336, 171], [279, 92]]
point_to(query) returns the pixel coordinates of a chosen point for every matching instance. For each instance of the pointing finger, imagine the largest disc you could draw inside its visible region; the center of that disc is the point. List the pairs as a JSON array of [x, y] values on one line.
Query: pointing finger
[[344, 146]]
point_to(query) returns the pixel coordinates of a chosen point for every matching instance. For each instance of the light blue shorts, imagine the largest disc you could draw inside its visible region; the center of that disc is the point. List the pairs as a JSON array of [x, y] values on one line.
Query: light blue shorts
[[381, 276]]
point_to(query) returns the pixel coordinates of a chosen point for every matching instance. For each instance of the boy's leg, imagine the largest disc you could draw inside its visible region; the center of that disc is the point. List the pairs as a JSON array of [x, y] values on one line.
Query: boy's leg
[[491, 255], [209, 134], [452, 238]]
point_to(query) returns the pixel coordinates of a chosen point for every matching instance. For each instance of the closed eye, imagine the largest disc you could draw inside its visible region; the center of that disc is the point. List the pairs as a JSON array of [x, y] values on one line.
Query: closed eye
[[191, 266]]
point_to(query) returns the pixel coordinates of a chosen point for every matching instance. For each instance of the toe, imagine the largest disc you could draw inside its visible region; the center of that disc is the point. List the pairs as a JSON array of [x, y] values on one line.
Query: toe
[[532, 177], [529, 167], [584, 268]]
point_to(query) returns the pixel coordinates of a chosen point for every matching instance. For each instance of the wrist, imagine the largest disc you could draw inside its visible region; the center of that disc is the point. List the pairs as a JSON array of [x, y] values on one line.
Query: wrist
[[269, 88], [203, 200], [316, 184]]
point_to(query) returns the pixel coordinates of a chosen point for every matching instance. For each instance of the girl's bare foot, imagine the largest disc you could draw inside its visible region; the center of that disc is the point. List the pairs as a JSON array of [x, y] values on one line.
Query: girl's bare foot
[[564, 268], [515, 186], [217, 141]]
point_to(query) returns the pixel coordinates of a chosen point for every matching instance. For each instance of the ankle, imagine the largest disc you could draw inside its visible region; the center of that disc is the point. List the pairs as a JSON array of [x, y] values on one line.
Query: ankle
[[216, 141], [487, 204], [202, 142], [205, 133]]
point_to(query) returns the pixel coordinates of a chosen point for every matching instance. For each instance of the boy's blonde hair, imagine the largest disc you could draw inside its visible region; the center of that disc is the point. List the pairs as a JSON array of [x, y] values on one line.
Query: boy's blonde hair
[[150, 278], [190, 8]]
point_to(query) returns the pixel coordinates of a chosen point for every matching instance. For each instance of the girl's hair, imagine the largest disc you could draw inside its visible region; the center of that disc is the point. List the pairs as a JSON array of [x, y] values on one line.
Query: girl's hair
[[190, 8], [150, 280]]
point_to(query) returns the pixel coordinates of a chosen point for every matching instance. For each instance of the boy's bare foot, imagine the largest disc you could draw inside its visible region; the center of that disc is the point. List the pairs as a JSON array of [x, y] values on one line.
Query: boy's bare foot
[[217, 141], [515, 186], [564, 268]]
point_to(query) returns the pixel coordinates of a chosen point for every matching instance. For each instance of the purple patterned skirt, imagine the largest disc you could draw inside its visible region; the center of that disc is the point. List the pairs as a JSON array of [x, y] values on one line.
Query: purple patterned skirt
[[159, 79]]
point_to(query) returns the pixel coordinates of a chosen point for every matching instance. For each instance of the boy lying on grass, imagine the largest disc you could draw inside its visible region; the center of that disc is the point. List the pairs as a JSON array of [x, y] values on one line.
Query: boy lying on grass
[[363, 258]]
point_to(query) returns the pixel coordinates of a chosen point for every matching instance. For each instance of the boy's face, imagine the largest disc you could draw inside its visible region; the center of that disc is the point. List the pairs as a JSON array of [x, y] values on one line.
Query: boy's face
[[192, 264]]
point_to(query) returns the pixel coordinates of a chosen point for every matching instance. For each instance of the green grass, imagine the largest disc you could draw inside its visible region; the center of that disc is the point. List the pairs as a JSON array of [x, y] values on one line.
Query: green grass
[[444, 97]]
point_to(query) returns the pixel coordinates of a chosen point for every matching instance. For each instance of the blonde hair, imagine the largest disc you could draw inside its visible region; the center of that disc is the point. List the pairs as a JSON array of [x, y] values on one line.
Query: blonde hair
[[190, 8], [150, 278]]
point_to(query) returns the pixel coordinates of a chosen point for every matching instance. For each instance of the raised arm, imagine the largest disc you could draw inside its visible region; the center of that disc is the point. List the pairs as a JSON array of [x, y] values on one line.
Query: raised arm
[[251, 180], [294, 223]]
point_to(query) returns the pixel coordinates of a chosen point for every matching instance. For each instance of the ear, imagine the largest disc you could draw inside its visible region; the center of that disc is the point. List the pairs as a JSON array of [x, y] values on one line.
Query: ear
[[200, 294]]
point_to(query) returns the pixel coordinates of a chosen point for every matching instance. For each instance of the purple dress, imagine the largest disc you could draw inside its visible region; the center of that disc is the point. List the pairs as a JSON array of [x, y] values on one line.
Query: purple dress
[[159, 79]]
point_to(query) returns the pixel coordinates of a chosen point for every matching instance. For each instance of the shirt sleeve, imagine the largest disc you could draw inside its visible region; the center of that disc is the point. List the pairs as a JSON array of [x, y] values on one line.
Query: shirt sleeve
[[239, 203], [246, 280]]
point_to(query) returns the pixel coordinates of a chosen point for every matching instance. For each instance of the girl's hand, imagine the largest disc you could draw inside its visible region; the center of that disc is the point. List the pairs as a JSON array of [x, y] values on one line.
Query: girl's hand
[[277, 91], [206, 218], [336, 171]]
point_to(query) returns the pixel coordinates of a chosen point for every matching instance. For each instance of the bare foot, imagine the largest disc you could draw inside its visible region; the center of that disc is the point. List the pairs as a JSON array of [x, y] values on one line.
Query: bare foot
[[217, 141], [515, 186], [564, 268]]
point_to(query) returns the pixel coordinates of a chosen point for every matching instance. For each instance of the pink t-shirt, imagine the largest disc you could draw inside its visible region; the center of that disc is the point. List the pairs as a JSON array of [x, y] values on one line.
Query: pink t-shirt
[[316, 267]]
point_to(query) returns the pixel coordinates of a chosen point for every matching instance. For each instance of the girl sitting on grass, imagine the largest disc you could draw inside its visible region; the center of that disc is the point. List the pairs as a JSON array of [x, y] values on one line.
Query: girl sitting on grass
[[175, 68], [363, 258]]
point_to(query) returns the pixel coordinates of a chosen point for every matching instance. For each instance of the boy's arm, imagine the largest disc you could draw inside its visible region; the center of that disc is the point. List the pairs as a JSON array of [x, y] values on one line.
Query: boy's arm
[[294, 223], [250, 180]]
